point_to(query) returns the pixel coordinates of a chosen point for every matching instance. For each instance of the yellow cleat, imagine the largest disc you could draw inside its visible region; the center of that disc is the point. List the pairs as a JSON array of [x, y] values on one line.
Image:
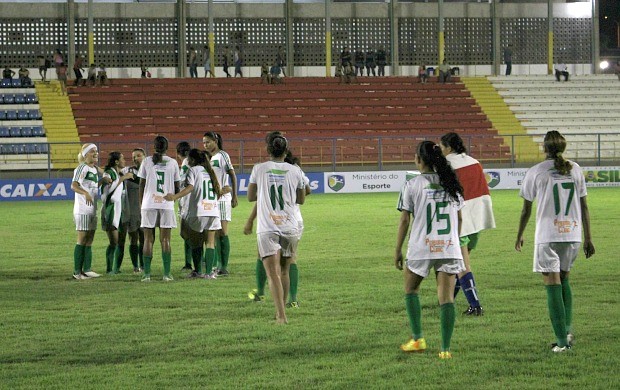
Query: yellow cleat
[[445, 355], [412, 345]]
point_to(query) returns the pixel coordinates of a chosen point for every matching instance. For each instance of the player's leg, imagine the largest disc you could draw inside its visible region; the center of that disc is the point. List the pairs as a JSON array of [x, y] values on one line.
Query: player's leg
[[166, 251], [187, 247], [224, 241], [120, 248], [134, 250], [273, 269], [112, 234], [210, 256], [547, 262], [445, 289], [149, 239], [417, 343], [466, 278], [294, 283]]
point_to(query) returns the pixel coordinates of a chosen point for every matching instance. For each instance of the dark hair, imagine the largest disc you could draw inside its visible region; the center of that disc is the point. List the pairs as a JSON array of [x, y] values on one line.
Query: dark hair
[[431, 155], [270, 136], [218, 137], [161, 145], [277, 146], [555, 145], [200, 157], [215, 137], [139, 150], [183, 148], [455, 142], [113, 157], [291, 159]]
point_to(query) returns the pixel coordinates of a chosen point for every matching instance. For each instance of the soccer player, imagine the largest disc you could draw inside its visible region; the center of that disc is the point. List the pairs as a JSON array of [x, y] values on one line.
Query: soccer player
[[434, 198], [277, 186], [561, 216], [202, 217], [183, 149], [477, 212], [136, 235], [220, 160], [115, 207], [85, 185], [159, 175]]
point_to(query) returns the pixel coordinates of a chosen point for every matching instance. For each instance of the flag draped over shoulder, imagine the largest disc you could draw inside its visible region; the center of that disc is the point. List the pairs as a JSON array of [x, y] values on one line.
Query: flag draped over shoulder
[[478, 210]]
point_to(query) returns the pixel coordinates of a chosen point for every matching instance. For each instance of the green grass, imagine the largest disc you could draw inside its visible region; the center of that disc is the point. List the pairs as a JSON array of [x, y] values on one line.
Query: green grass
[[115, 332]]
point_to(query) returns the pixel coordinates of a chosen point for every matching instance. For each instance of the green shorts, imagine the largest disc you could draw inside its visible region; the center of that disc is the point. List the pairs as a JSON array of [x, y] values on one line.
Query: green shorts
[[470, 241]]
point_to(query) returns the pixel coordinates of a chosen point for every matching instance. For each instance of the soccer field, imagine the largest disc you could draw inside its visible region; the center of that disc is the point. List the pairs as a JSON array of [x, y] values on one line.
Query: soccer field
[[116, 332]]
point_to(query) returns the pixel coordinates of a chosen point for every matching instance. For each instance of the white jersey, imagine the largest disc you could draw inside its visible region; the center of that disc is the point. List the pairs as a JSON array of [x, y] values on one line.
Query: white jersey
[[298, 216], [202, 201], [558, 211], [160, 181], [434, 232], [277, 184], [88, 180], [221, 165], [184, 200], [114, 199]]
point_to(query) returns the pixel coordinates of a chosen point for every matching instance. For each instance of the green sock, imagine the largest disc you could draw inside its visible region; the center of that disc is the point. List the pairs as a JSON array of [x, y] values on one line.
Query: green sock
[[209, 260], [133, 253], [446, 316], [261, 277], [141, 255], [167, 258], [294, 277], [567, 295], [217, 259], [78, 259], [557, 313], [147, 265], [88, 258], [188, 254], [197, 258], [109, 258], [225, 245], [119, 254], [414, 313]]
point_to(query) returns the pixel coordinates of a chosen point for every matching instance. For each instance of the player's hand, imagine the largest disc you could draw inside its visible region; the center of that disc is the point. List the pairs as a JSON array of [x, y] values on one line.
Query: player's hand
[[169, 197], [588, 248], [128, 176], [89, 200], [398, 261], [234, 202], [247, 229], [519, 244]]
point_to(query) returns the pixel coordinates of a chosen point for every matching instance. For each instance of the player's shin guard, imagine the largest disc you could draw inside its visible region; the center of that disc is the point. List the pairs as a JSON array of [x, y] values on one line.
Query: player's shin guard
[[78, 259], [557, 313], [414, 314], [167, 259], [225, 251], [217, 255], [469, 289], [119, 254], [147, 265], [446, 316], [109, 258], [134, 253], [294, 279], [261, 277], [197, 259], [188, 254], [88, 258], [567, 296], [209, 260], [457, 286]]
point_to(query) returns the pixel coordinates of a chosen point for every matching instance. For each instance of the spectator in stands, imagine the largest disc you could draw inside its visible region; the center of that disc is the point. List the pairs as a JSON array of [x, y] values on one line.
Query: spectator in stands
[[371, 64], [102, 75], [274, 74], [58, 60], [339, 73], [24, 77], [349, 74], [92, 74], [422, 73], [7, 73], [193, 63], [345, 57], [281, 59], [508, 59], [238, 58], [617, 69], [381, 61], [561, 70], [206, 60], [77, 69], [265, 76], [61, 71], [43, 65], [225, 57], [445, 72], [360, 61], [144, 71]]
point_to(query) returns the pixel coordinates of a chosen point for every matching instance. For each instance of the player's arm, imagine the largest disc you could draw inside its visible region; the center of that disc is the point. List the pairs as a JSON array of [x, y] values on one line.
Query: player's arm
[[247, 229], [460, 219], [301, 196], [179, 194], [403, 227], [141, 191], [526, 212], [588, 246], [252, 192], [77, 188], [233, 183]]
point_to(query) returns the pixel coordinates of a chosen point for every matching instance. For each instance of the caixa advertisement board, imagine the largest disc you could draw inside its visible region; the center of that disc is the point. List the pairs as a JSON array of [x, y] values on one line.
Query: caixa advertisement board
[[36, 189]]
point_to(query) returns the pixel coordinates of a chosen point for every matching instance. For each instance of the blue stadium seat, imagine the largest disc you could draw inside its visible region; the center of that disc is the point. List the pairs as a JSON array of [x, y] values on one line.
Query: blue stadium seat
[[15, 132], [42, 148], [6, 83], [32, 98], [34, 114], [37, 131], [16, 83], [20, 99], [30, 148], [9, 99], [26, 131], [4, 148], [19, 149], [11, 115], [4, 131], [22, 115], [2, 115]]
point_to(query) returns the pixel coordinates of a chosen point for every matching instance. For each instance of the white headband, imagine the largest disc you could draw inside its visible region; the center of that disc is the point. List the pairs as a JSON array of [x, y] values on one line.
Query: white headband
[[88, 149]]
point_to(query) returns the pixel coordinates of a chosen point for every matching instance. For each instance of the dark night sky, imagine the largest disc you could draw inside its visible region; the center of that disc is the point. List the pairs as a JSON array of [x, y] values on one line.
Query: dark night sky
[[609, 11]]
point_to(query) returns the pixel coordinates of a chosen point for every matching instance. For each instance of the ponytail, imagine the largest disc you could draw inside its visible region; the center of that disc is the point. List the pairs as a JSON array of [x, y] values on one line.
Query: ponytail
[[207, 166], [431, 155], [161, 145], [555, 145]]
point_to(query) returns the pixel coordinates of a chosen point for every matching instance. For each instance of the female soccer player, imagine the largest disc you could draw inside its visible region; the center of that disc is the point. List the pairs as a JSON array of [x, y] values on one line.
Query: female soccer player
[[159, 175], [434, 198], [114, 211], [136, 235], [202, 217], [183, 149], [220, 161], [561, 216], [477, 212], [277, 186], [85, 186]]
